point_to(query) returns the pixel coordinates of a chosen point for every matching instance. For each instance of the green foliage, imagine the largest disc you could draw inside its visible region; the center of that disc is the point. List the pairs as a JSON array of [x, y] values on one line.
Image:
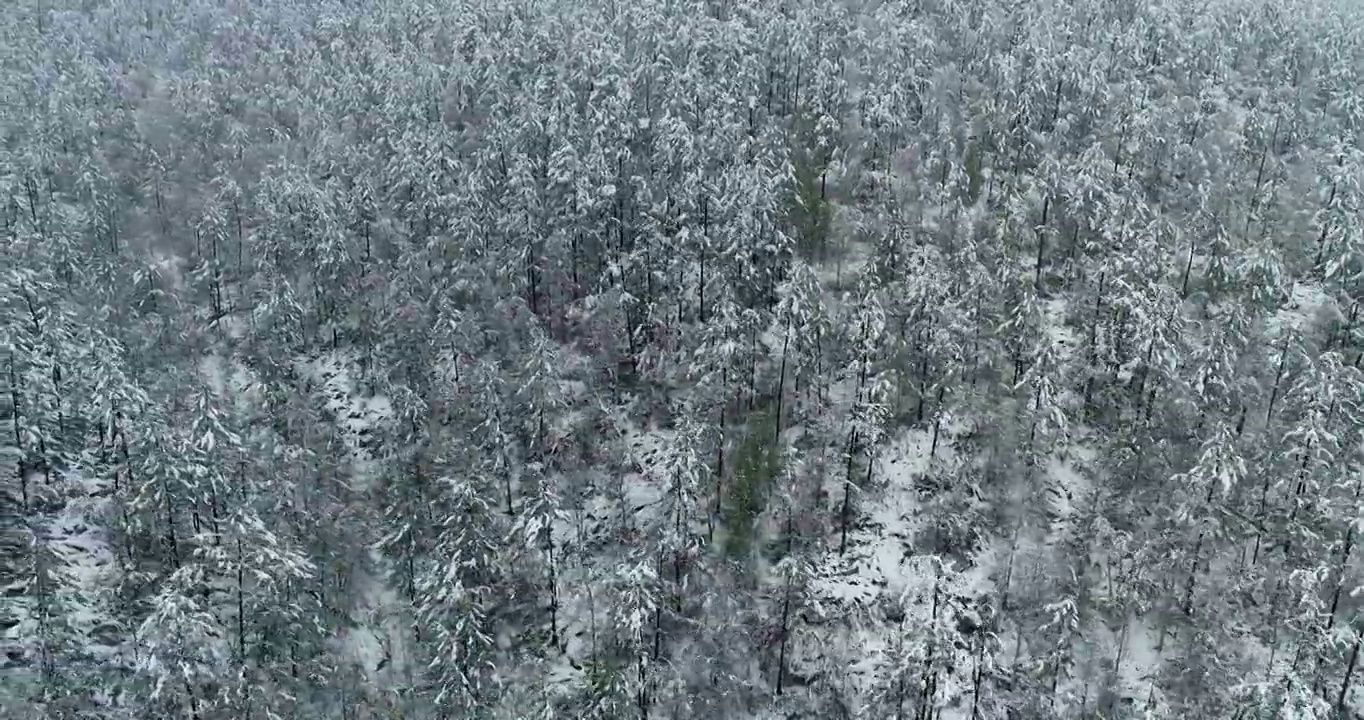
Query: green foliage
[[974, 174], [608, 696], [602, 677], [810, 213], [757, 462]]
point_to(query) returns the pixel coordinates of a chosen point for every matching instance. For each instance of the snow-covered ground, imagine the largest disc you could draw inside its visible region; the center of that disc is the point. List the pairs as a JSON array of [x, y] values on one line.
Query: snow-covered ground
[[80, 540], [879, 552], [355, 413], [1305, 302], [230, 380], [881, 564], [84, 572], [881, 568], [376, 644]]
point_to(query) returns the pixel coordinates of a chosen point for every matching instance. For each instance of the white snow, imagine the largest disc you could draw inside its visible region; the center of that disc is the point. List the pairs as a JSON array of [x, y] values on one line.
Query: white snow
[[85, 566], [230, 380], [376, 645], [171, 267], [879, 567], [354, 413], [852, 257], [1066, 489], [1140, 659], [1304, 303], [1062, 336]]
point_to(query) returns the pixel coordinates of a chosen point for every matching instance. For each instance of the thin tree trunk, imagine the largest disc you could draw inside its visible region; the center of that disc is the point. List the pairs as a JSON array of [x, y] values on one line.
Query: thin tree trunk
[[720, 461], [18, 438], [781, 381], [1041, 246], [241, 606], [1278, 378], [785, 623], [929, 684], [1193, 575], [978, 677], [1349, 674], [553, 587], [846, 510]]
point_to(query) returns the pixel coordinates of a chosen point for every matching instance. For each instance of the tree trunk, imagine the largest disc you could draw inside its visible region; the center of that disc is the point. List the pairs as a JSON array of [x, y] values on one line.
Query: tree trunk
[[1349, 673], [781, 382], [937, 424], [720, 459], [1193, 575], [1278, 378], [241, 606], [169, 536], [18, 438], [553, 587], [846, 510], [977, 677], [929, 683], [785, 625], [1041, 247], [701, 284]]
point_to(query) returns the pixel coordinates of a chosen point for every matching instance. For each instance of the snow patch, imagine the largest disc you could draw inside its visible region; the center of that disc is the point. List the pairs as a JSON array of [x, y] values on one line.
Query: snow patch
[[1140, 659], [1067, 489], [880, 558], [230, 380], [376, 645], [84, 570], [1304, 303], [355, 414], [1061, 336]]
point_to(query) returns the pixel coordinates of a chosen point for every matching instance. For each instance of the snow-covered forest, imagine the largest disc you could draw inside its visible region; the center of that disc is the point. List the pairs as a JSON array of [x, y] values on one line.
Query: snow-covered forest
[[675, 359]]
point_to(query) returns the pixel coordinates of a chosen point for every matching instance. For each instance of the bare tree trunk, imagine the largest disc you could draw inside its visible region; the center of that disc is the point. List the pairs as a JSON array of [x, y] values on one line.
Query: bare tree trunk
[[1349, 674], [785, 633], [846, 511], [1278, 378], [1041, 246], [553, 587], [781, 382]]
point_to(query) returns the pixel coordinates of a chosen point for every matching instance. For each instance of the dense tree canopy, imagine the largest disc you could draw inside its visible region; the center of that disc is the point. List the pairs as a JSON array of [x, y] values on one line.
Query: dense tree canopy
[[681, 358]]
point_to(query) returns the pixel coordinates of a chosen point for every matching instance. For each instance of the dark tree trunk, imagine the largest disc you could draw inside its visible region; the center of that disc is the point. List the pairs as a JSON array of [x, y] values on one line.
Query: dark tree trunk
[[1349, 674]]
